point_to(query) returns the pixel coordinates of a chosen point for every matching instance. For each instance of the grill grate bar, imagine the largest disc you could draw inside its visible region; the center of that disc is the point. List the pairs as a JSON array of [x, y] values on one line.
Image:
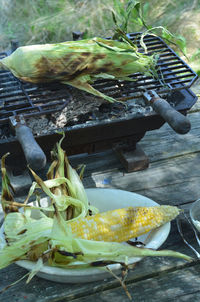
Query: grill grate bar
[[20, 97], [15, 94], [5, 84], [14, 105], [153, 49], [27, 99], [4, 79], [32, 100], [29, 111], [170, 64], [10, 92], [142, 81]]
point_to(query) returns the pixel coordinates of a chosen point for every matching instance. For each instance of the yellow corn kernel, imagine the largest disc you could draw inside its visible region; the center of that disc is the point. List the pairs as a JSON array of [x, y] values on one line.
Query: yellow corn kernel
[[122, 224]]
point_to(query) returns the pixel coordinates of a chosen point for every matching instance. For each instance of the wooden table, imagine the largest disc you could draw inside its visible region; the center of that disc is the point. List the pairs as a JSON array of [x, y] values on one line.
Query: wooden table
[[173, 177]]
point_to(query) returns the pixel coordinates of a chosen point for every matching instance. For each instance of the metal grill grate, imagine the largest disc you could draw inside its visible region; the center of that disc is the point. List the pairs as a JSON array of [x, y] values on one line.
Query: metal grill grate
[[27, 99], [31, 100], [173, 73]]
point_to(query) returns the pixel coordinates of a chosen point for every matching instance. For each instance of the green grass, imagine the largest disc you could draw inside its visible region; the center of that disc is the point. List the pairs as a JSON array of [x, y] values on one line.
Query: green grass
[[47, 21]]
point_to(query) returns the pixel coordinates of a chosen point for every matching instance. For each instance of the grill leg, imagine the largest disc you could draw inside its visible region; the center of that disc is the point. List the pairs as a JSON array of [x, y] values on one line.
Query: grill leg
[[133, 159]]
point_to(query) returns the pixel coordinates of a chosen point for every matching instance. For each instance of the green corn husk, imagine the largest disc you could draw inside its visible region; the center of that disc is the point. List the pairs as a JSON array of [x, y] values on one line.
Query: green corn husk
[[33, 238], [78, 63], [48, 237]]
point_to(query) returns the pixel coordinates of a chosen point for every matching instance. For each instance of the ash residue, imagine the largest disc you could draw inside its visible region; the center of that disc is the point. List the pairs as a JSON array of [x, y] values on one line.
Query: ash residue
[[83, 109]]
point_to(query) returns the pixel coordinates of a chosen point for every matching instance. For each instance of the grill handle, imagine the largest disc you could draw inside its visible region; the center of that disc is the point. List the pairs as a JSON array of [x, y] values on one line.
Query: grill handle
[[35, 157], [174, 118]]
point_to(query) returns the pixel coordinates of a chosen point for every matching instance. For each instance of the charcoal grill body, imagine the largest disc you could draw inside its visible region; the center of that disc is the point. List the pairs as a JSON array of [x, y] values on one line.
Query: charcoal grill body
[[97, 136], [93, 136]]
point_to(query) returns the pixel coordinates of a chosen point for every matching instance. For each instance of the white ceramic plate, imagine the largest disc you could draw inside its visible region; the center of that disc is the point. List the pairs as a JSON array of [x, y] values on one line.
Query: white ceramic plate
[[104, 200]]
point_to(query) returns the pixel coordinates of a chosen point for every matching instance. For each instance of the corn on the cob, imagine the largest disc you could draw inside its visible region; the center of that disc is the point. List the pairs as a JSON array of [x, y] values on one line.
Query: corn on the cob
[[77, 63], [122, 224]]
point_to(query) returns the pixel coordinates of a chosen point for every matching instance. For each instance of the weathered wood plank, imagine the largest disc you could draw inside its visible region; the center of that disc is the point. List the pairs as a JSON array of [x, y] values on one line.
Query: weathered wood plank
[[172, 181], [181, 285], [45, 291], [196, 89], [165, 143]]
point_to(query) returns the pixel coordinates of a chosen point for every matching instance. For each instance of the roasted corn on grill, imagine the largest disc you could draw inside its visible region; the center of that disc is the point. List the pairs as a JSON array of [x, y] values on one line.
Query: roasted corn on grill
[[78, 63]]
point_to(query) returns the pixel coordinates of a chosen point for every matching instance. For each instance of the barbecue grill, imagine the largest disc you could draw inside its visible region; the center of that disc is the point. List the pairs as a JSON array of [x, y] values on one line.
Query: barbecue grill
[[115, 126]]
